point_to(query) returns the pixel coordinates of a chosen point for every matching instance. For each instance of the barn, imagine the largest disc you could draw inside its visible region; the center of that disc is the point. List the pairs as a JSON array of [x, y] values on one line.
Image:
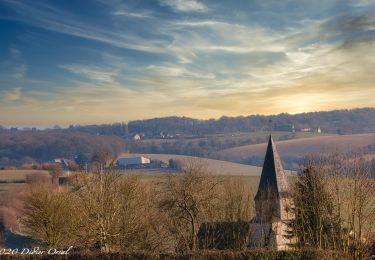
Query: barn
[[133, 162]]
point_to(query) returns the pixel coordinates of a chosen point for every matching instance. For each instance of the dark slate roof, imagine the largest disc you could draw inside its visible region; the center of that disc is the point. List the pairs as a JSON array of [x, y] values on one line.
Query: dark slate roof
[[273, 177]]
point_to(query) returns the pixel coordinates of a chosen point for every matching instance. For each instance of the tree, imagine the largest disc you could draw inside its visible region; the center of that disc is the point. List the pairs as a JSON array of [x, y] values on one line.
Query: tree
[[114, 213], [315, 223], [334, 204], [55, 171], [353, 187], [187, 198], [48, 215]]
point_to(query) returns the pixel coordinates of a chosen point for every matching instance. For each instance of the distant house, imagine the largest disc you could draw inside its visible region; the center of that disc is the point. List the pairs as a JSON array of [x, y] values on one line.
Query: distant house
[[306, 130], [133, 162], [319, 131], [137, 137], [64, 164]]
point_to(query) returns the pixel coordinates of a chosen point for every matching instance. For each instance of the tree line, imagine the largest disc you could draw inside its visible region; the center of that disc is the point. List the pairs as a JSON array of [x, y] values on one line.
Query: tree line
[[42, 146], [337, 121]]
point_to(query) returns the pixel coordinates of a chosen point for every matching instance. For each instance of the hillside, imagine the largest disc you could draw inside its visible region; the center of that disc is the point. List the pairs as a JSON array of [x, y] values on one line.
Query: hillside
[[27, 146], [298, 148], [209, 145], [216, 167], [352, 121]]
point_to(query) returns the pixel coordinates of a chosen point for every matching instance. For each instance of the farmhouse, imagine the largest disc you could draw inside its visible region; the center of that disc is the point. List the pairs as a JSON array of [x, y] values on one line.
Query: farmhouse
[[133, 162], [63, 163]]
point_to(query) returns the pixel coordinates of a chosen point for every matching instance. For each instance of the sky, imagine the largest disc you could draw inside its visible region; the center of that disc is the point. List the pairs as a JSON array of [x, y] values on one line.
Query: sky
[[101, 61]]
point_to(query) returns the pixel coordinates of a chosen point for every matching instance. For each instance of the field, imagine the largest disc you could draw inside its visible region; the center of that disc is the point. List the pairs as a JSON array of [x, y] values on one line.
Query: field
[[17, 175], [239, 137], [12, 178], [301, 147], [215, 167]]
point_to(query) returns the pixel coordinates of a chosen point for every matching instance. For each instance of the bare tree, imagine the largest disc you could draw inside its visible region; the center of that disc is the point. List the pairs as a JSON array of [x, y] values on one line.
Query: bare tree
[[99, 210], [187, 198], [227, 225], [47, 215], [236, 200], [353, 188]]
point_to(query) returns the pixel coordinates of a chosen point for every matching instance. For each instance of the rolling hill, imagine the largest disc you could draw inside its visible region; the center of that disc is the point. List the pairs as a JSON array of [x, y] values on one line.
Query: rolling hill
[[298, 148], [216, 167]]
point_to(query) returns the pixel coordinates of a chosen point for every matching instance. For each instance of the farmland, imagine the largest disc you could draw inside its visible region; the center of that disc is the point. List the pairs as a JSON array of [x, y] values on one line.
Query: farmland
[[298, 148], [13, 178], [240, 137], [17, 175], [216, 167]]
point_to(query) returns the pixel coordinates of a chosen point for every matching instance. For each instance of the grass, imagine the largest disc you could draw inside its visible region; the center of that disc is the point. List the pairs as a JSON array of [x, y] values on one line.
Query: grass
[[14, 176], [18, 175], [8, 186]]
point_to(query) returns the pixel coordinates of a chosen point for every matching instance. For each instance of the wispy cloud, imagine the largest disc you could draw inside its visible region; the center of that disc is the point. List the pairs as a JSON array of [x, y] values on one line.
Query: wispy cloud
[[92, 73], [133, 14], [174, 71], [185, 5], [11, 95]]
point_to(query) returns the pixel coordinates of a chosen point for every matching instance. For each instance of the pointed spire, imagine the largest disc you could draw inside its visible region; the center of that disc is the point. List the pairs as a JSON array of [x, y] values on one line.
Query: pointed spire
[[273, 176]]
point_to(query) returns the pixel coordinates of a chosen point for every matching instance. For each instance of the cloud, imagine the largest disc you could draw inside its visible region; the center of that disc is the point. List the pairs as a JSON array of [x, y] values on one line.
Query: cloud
[[242, 58], [11, 95], [174, 71], [51, 18], [185, 5], [92, 73], [133, 14]]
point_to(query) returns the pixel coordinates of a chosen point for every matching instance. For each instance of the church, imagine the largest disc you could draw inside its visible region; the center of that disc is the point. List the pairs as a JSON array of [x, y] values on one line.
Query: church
[[270, 228], [273, 204]]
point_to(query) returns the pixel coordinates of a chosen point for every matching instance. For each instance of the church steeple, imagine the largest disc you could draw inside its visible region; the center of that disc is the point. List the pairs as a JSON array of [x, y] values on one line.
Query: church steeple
[[273, 203], [273, 177]]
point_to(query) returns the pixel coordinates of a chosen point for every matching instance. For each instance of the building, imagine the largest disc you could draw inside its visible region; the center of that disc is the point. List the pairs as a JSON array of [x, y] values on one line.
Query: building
[[133, 162], [63, 163], [307, 129], [137, 137], [273, 204], [270, 228], [319, 131]]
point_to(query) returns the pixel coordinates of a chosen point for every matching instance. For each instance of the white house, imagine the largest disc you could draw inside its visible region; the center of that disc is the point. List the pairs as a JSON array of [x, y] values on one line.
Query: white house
[[126, 162]]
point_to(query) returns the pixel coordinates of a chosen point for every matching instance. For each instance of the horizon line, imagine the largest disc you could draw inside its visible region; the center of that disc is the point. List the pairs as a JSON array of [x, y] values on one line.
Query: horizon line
[[65, 126]]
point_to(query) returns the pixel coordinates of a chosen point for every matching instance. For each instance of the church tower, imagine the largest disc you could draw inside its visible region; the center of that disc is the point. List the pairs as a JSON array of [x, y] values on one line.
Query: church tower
[[273, 204]]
